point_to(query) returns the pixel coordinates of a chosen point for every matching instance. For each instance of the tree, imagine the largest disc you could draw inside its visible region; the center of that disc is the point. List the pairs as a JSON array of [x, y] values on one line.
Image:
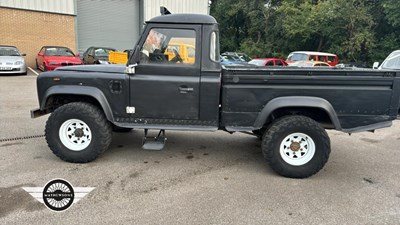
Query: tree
[[339, 26], [356, 30], [392, 11]]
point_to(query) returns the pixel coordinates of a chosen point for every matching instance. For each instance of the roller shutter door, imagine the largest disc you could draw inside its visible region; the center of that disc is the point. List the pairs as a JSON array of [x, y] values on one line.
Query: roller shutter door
[[107, 23]]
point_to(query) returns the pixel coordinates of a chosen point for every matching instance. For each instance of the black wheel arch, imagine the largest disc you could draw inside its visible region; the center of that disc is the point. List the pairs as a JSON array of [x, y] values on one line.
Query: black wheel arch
[[315, 108], [57, 96]]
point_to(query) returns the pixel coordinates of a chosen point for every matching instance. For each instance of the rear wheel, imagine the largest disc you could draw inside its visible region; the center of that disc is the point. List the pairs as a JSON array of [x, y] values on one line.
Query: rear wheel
[[78, 132], [296, 146]]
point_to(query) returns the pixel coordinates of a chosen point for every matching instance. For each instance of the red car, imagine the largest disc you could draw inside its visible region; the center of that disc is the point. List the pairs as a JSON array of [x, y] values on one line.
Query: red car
[[268, 62], [51, 57]]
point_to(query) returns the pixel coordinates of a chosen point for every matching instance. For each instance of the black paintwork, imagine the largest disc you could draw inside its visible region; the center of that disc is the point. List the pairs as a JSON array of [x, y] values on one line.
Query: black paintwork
[[183, 19], [233, 99]]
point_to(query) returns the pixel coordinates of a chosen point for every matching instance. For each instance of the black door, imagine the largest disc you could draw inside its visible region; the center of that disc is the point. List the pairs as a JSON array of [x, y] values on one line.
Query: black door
[[166, 85]]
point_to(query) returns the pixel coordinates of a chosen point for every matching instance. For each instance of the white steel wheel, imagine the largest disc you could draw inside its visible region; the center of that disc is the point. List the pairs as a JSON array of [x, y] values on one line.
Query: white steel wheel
[[75, 134], [297, 149]]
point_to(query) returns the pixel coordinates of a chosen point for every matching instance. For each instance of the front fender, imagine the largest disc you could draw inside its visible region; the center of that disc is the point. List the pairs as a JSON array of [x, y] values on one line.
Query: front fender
[[296, 101], [79, 90]]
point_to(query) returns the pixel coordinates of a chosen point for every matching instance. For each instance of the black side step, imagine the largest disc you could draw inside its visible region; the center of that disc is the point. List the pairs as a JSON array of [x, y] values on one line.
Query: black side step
[[154, 143]]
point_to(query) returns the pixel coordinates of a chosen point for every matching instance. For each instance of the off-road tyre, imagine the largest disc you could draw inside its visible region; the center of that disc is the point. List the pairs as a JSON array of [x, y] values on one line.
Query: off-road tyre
[[93, 123], [288, 160]]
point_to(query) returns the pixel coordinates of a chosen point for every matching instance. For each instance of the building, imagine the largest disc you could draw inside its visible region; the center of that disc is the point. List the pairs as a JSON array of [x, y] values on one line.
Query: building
[[79, 24]]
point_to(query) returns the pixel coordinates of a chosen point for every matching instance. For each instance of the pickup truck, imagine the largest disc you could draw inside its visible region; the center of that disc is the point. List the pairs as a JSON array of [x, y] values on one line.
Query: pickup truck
[[289, 109]]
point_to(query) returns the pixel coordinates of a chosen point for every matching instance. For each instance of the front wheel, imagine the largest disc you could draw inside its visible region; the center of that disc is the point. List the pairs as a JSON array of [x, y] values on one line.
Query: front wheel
[[78, 132], [296, 146]]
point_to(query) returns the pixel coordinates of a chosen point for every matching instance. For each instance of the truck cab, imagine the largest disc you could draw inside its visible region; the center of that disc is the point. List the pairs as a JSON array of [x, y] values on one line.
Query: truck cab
[[165, 88]]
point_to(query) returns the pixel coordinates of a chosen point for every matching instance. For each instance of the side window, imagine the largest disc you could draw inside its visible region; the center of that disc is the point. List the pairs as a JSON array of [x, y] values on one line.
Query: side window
[[270, 63], [164, 46], [392, 63], [313, 58], [279, 63], [214, 47], [42, 50], [322, 58], [331, 59]]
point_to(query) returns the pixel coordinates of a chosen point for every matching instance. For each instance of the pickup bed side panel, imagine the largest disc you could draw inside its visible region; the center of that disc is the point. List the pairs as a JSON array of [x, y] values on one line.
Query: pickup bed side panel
[[353, 99]]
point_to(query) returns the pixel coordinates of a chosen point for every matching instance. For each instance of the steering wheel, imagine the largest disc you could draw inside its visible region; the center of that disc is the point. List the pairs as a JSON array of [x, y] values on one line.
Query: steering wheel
[[177, 57]]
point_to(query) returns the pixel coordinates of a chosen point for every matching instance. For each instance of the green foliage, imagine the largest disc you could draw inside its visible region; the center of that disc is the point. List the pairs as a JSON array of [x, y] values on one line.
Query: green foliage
[[392, 11], [356, 30]]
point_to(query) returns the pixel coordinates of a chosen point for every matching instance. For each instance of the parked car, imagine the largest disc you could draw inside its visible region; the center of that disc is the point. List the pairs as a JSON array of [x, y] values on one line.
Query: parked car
[[52, 57], [97, 55], [351, 65], [11, 60], [329, 58], [231, 60], [268, 62], [309, 64], [241, 56], [391, 62]]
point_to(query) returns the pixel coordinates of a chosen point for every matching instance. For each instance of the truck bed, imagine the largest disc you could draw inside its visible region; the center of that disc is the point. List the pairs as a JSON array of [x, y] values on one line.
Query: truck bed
[[347, 100]]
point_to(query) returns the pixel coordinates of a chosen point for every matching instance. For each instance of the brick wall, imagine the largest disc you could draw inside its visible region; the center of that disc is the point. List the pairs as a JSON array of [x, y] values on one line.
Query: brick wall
[[30, 30]]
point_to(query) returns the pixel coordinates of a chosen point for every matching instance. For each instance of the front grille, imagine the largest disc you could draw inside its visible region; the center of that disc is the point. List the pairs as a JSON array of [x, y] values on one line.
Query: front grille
[[66, 64]]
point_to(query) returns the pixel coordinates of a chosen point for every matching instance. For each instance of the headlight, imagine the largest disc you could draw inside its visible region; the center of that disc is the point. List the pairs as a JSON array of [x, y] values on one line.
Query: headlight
[[103, 62], [53, 63], [19, 63]]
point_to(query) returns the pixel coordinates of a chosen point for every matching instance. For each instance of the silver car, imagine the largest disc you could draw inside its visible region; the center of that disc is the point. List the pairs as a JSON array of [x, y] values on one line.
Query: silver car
[[11, 61]]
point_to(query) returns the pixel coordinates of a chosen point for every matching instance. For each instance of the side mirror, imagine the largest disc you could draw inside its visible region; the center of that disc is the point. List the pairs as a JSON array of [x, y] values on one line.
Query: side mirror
[[375, 65], [23, 54], [40, 54], [133, 62], [77, 55]]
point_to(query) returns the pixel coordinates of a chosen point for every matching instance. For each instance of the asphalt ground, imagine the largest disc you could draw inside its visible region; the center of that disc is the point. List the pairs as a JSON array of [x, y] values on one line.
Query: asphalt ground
[[199, 178]]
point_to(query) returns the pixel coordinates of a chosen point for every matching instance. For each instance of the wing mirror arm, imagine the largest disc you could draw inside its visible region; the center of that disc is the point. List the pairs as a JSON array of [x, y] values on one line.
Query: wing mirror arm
[[130, 69]]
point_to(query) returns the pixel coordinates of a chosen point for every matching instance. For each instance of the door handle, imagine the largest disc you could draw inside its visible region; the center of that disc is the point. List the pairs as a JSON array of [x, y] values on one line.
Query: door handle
[[185, 89]]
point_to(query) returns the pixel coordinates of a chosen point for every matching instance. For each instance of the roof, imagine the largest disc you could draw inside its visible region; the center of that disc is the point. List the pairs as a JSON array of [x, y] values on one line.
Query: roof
[[184, 18], [8, 46], [50, 46], [267, 59], [96, 47], [314, 53]]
